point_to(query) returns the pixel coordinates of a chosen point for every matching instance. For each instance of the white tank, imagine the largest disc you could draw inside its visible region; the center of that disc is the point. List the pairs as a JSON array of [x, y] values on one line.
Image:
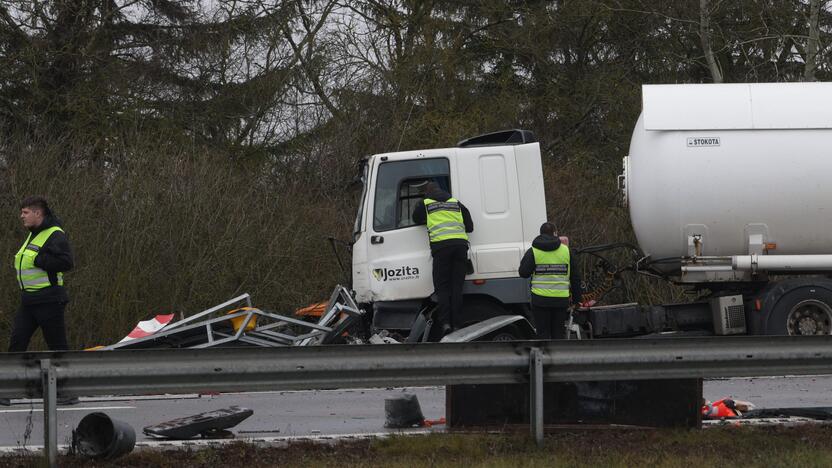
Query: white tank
[[728, 161]]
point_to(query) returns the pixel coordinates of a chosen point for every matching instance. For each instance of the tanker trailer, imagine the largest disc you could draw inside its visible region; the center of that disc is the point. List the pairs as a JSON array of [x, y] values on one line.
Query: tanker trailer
[[727, 188]]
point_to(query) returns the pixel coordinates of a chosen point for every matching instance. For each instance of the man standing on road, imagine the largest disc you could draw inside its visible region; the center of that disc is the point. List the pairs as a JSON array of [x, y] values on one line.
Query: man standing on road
[[448, 223], [554, 281]]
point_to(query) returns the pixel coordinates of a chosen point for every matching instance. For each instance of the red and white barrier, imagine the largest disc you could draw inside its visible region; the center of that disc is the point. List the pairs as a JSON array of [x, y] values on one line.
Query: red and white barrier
[[148, 327]]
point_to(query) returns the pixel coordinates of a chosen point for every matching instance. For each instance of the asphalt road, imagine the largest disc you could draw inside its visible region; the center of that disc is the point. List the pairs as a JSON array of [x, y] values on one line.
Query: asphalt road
[[276, 414], [335, 412]]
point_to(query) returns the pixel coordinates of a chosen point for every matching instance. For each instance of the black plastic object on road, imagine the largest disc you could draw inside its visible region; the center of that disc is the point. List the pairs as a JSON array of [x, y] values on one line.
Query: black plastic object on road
[[210, 425], [403, 412], [100, 436]]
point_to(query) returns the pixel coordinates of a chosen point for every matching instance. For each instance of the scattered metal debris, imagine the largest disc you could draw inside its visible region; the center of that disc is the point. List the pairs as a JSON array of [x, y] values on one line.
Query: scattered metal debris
[[236, 322], [382, 337]]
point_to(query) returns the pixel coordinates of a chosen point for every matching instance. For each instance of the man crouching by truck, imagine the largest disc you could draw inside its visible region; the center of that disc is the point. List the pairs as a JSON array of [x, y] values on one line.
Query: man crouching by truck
[[555, 282], [448, 223]]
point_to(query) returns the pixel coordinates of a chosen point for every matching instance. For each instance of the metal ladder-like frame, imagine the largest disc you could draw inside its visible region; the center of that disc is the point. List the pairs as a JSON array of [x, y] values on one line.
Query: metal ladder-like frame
[[257, 327]]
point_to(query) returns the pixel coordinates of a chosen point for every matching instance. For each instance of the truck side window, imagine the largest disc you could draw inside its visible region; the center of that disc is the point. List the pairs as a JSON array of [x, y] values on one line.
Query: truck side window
[[410, 195], [399, 188]]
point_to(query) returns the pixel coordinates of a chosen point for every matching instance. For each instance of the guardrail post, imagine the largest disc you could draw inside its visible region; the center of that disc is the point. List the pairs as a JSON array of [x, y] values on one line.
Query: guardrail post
[[536, 394], [50, 412]]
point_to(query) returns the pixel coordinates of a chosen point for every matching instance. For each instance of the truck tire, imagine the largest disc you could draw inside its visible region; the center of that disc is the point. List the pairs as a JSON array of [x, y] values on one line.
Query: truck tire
[[477, 310], [806, 310], [509, 333]]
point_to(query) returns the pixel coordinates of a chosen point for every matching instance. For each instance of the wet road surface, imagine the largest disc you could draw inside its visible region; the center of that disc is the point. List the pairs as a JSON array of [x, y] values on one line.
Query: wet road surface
[[336, 412]]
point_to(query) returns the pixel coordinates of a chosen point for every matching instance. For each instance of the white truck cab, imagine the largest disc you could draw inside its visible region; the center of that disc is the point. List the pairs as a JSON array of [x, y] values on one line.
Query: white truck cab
[[497, 176]]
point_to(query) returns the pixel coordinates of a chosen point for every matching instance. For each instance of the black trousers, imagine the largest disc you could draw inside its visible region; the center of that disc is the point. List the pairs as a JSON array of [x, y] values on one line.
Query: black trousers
[[449, 266], [549, 322], [49, 317]]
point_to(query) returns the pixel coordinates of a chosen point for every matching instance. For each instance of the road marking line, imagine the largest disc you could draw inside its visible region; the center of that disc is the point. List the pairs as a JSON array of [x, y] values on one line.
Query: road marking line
[[344, 390], [105, 398], [83, 408], [197, 396]]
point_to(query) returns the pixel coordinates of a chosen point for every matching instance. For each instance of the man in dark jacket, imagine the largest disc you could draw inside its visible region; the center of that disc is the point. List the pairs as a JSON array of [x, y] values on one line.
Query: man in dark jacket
[[39, 267], [448, 223], [40, 264], [555, 282]]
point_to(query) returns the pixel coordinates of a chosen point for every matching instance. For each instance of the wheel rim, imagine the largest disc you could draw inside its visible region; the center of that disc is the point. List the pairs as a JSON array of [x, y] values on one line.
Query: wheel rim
[[810, 317], [504, 337]]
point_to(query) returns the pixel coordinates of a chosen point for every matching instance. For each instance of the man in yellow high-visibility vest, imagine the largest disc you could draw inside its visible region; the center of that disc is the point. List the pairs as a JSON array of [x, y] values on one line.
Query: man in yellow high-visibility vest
[[39, 266], [448, 223], [554, 282]]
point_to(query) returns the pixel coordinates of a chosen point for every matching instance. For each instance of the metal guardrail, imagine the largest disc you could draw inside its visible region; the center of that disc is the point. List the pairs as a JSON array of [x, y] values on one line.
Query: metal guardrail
[[319, 367]]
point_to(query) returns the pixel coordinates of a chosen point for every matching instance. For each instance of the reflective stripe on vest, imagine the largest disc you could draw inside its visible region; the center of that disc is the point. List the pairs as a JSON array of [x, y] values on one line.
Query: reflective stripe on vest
[[444, 220], [551, 272], [29, 277]]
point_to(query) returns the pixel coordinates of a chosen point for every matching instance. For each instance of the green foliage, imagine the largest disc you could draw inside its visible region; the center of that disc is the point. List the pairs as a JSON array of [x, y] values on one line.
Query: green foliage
[[729, 446], [173, 234], [200, 149]]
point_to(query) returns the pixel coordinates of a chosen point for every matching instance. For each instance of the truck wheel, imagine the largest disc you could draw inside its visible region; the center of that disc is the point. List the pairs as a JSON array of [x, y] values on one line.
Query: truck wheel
[[810, 317], [509, 333], [474, 311], [803, 311], [477, 310]]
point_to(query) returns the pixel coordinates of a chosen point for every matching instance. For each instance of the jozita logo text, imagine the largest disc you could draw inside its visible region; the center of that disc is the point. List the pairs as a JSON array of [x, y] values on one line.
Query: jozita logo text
[[396, 274]]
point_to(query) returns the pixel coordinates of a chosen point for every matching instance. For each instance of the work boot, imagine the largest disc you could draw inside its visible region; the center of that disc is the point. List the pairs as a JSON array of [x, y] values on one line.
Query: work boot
[[5, 402], [68, 401]]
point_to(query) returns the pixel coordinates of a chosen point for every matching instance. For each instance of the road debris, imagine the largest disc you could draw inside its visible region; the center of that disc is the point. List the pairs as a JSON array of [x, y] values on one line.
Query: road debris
[[402, 412], [100, 436], [213, 424]]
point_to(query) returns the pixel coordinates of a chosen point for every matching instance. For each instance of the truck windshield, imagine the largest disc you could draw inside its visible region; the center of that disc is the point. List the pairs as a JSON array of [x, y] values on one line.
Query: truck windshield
[[399, 189]]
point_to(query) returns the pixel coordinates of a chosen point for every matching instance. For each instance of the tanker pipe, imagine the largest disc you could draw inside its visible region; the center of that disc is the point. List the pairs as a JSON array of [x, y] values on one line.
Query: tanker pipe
[[705, 268], [756, 263]]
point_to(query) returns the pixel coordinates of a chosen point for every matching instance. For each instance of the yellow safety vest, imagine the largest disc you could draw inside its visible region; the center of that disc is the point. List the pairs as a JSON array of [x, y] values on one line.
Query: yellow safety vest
[[444, 220], [29, 277], [551, 272]]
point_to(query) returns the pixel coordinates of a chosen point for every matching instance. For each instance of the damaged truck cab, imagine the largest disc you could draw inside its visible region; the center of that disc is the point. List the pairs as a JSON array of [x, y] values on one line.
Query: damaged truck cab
[[727, 199], [499, 178]]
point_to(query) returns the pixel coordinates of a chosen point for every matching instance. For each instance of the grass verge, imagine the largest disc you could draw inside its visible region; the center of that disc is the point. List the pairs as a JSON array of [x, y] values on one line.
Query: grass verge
[[805, 446]]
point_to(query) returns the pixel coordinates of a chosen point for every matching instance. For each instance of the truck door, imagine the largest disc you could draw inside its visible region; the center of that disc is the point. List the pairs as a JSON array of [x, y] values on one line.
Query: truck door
[[397, 250], [489, 187]]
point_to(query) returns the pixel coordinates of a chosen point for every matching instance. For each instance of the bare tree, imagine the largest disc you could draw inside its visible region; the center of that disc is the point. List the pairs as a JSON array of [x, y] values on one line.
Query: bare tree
[[812, 40], [705, 37]]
